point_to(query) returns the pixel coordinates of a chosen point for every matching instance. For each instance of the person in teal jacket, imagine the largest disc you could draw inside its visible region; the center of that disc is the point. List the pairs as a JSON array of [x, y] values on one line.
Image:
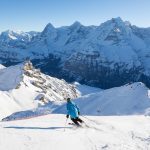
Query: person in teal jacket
[[73, 111]]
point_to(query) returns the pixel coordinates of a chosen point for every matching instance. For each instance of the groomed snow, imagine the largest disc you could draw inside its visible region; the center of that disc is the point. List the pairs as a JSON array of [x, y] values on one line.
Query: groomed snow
[[50, 133]]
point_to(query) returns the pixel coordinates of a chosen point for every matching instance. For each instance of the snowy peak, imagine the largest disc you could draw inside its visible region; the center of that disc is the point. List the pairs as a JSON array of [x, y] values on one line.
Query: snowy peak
[[9, 34], [16, 39], [117, 20], [49, 30], [76, 23], [17, 35], [75, 26], [116, 30]]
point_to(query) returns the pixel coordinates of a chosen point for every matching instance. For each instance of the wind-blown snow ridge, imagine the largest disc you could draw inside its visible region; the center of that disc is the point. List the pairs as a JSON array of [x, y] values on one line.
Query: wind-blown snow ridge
[[132, 99], [10, 77]]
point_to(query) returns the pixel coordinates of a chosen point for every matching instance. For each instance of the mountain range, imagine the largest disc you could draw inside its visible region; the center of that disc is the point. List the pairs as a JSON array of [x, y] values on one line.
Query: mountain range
[[109, 55]]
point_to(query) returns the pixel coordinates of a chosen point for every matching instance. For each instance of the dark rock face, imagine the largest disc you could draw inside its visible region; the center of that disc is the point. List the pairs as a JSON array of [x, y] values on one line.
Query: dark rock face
[[49, 65], [96, 73], [93, 74]]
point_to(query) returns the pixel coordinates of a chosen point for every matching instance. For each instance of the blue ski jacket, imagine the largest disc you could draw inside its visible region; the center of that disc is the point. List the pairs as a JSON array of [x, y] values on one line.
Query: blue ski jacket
[[72, 109]]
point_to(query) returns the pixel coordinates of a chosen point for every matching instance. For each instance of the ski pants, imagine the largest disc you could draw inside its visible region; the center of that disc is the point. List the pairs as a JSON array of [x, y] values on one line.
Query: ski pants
[[77, 120]]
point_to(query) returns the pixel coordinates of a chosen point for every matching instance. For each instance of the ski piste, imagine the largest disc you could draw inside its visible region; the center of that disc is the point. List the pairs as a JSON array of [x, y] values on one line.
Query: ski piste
[[85, 125], [115, 133], [93, 123]]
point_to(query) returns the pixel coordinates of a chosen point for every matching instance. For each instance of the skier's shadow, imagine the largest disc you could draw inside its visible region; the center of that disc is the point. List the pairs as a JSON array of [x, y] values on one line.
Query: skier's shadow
[[38, 128]]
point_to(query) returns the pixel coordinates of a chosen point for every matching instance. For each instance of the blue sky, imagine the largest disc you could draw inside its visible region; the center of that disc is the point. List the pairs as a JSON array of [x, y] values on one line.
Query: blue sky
[[29, 15]]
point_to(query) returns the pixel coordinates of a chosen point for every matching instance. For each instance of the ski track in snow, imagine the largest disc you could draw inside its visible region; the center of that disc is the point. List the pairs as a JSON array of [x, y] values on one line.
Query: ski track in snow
[[47, 132]]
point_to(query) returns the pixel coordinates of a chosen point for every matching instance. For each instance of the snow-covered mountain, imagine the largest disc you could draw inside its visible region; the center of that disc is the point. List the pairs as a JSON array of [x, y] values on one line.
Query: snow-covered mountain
[[16, 38], [23, 87], [111, 54]]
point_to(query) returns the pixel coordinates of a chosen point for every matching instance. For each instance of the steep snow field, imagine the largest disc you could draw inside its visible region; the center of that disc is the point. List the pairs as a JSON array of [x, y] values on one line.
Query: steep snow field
[[50, 133]]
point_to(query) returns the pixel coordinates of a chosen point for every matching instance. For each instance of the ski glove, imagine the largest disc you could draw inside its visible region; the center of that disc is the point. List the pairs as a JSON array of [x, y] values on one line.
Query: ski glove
[[67, 116], [78, 113]]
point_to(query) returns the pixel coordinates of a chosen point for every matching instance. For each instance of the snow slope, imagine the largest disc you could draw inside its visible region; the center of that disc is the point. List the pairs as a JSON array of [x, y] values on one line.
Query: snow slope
[[23, 87], [50, 133], [131, 99], [51, 107]]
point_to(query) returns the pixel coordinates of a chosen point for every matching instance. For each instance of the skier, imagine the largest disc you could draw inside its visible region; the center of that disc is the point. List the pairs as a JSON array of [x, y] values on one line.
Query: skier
[[73, 111]]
